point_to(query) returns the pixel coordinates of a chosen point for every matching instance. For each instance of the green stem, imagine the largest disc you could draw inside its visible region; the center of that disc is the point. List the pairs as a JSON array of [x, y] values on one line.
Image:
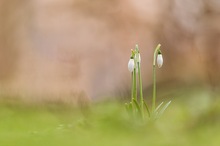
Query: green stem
[[141, 91], [154, 78], [154, 89], [134, 85]]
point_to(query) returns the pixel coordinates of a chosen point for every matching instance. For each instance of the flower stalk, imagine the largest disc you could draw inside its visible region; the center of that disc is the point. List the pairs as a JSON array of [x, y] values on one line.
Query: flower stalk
[[134, 80], [154, 77], [140, 82]]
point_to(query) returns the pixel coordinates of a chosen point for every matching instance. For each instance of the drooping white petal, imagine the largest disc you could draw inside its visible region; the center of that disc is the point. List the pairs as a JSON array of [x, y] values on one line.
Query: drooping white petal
[[159, 60], [131, 65]]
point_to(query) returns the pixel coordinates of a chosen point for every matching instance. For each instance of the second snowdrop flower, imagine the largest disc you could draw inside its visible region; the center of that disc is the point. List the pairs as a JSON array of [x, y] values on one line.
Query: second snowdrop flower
[[131, 64], [159, 59]]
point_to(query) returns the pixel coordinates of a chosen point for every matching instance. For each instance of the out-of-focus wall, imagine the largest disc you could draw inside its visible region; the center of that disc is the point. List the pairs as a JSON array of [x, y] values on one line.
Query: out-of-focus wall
[[65, 47]]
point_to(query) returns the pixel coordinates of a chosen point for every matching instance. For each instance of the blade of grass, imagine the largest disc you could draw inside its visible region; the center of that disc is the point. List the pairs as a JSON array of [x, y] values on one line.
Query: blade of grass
[[146, 106], [137, 106], [163, 109], [158, 107], [128, 107]]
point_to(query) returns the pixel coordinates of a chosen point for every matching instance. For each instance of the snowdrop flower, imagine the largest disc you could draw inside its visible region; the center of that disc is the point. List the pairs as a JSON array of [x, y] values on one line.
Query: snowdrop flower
[[159, 60], [131, 64]]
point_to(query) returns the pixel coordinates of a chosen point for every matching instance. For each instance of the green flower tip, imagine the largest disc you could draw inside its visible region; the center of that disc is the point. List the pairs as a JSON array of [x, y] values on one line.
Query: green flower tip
[[132, 52], [159, 52], [137, 48]]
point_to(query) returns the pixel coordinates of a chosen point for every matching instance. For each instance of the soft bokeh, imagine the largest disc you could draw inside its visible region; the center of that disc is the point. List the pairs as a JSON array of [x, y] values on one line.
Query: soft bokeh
[[59, 48]]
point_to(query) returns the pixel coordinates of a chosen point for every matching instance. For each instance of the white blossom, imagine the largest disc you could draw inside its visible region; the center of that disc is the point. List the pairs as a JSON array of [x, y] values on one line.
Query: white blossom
[[159, 60], [131, 65]]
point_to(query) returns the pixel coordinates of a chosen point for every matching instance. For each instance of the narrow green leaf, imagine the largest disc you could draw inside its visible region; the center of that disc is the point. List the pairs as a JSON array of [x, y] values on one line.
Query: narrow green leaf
[[137, 105], [127, 107], [130, 106], [158, 107], [163, 109], [146, 106]]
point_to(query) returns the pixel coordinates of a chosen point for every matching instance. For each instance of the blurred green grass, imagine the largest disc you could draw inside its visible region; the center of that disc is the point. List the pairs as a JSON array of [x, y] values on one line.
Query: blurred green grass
[[188, 121]]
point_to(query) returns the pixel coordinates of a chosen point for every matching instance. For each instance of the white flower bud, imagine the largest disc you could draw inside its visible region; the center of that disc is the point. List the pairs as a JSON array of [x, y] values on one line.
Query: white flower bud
[[159, 60], [131, 65]]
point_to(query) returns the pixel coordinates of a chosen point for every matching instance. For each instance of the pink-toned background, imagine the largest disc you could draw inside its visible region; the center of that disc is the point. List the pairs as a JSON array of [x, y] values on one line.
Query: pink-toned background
[[60, 48]]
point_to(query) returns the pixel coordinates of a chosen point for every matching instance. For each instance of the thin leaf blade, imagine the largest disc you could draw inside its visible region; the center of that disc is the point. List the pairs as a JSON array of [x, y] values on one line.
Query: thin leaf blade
[[163, 109], [158, 107], [146, 106]]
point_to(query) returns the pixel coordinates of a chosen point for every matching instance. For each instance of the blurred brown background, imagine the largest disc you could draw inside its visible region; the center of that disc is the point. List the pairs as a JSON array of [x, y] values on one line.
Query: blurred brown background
[[59, 48]]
